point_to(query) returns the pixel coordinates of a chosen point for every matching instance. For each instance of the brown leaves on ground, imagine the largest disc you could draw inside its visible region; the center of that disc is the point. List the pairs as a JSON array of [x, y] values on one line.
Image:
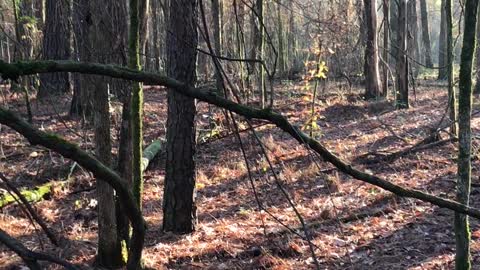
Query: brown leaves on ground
[[353, 225]]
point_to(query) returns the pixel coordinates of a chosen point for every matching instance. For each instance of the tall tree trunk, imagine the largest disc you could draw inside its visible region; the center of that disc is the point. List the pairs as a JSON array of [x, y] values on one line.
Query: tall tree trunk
[[102, 40], [386, 40], [452, 99], [179, 209], [217, 36], [477, 84], [394, 30], [82, 102], [462, 229], [56, 45], [413, 46], [442, 46], [402, 60], [426, 34], [372, 75], [292, 42], [281, 40], [137, 95]]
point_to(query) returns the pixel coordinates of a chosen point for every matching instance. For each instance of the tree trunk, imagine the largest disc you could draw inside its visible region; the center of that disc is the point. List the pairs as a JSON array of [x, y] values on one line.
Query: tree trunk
[[82, 102], [281, 41], [413, 46], [452, 99], [477, 84], [442, 46], [426, 34], [56, 45], [402, 60], [386, 40], [394, 30], [462, 229], [179, 210], [372, 75], [136, 7], [217, 36], [101, 44]]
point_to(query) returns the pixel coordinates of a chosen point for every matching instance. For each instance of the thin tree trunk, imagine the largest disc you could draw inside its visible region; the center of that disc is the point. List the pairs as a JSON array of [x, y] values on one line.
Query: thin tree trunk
[[413, 45], [217, 36], [386, 39], [372, 75], [426, 34], [462, 229], [452, 103], [179, 209], [402, 60], [109, 253], [281, 40], [477, 84], [394, 30], [137, 96], [442, 46]]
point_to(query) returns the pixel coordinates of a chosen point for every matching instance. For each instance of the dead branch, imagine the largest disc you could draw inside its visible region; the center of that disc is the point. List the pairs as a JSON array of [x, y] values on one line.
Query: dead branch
[[30, 210], [31, 258]]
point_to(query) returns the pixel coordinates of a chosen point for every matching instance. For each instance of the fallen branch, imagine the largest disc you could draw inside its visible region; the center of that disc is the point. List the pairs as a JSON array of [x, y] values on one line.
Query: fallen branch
[[31, 258], [73, 152], [30, 195], [150, 152], [30, 210], [15, 70]]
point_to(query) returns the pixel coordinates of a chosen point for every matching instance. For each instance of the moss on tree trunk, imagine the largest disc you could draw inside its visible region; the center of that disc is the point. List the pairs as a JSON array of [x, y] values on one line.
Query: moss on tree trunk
[[462, 229]]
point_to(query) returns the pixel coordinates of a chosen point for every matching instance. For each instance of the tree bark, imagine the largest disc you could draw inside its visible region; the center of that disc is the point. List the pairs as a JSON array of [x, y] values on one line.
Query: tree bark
[[452, 99], [109, 247], [402, 60], [372, 75], [413, 45], [462, 228], [426, 34], [442, 45], [394, 30], [179, 209], [386, 41], [477, 84], [56, 45], [217, 37], [82, 101]]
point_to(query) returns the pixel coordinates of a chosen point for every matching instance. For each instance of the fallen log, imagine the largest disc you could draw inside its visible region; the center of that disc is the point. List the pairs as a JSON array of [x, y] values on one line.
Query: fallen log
[[150, 153], [31, 195], [39, 193]]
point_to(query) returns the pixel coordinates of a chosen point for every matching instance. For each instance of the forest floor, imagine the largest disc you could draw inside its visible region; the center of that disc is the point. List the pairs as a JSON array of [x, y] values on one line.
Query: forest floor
[[353, 225]]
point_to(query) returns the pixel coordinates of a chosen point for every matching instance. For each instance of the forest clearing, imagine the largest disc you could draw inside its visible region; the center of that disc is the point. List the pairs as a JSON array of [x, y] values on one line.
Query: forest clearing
[[243, 134]]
